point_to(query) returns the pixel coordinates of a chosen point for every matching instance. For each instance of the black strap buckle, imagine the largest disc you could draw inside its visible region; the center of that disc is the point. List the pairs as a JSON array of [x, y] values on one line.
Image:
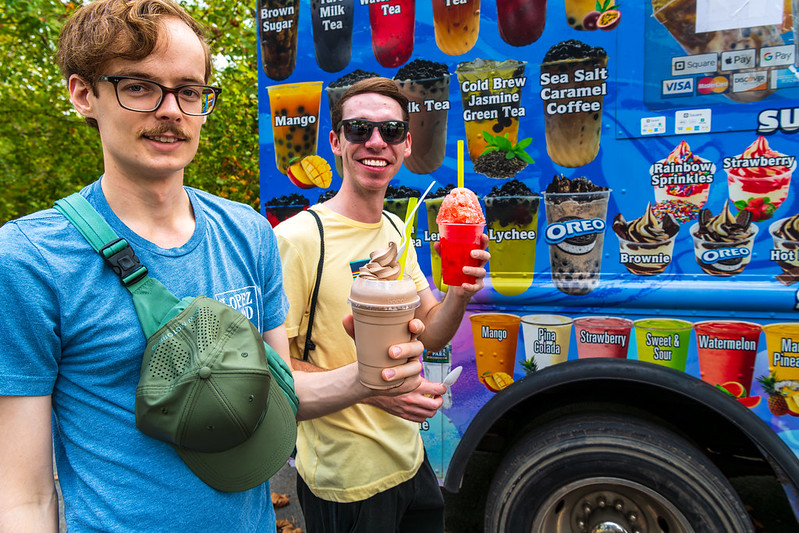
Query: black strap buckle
[[124, 262]]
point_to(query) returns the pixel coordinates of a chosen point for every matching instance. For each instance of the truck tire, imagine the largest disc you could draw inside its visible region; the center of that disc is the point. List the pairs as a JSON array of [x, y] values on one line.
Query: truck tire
[[605, 472]]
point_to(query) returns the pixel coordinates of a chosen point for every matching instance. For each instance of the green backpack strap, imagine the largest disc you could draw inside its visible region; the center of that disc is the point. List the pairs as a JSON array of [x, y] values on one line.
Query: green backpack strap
[[153, 302], [151, 299]]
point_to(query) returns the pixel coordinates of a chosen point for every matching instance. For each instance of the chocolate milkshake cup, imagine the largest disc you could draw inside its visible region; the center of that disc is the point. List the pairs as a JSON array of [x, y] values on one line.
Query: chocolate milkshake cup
[[576, 233], [381, 310], [573, 123], [426, 85]]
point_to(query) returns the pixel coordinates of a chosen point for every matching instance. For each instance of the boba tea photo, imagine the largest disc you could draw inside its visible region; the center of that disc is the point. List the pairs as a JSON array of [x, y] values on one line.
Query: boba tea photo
[[277, 30], [576, 212], [491, 94], [392, 24], [511, 221], [521, 22], [456, 24], [332, 33], [573, 125], [432, 205], [426, 85], [295, 120]]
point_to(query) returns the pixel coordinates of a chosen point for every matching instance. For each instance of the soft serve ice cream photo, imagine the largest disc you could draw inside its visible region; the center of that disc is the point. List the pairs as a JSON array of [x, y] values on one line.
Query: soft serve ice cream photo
[[646, 243], [785, 234], [382, 305], [723, 243], [682, 182], [759, 179]]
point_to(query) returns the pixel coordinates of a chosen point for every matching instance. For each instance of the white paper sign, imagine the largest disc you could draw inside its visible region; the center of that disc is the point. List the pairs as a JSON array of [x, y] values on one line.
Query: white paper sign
[[712, 15], [693, 121]]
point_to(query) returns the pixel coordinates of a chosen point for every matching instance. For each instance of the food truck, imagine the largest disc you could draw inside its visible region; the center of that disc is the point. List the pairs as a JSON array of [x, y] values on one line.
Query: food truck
[[636, 345]]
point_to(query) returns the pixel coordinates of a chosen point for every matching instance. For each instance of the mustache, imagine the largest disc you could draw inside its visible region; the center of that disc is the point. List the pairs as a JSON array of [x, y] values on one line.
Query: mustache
[[163, 129]]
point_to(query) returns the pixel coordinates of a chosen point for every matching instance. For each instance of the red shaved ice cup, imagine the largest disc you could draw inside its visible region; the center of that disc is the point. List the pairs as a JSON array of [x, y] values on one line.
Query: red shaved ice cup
[[457, 243]]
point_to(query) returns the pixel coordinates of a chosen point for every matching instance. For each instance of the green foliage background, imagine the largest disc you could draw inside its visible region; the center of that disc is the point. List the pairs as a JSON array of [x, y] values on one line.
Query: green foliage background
[[46, 149]]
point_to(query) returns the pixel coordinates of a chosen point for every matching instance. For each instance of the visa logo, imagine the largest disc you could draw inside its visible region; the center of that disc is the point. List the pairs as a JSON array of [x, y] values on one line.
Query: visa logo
[[679, 87]]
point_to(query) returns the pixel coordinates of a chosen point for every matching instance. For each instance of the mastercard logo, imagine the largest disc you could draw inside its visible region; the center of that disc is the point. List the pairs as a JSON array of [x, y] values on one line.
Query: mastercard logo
[[717, 85]]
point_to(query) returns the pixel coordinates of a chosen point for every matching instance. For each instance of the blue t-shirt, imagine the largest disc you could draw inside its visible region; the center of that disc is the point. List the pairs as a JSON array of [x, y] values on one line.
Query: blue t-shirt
[[70, 331]]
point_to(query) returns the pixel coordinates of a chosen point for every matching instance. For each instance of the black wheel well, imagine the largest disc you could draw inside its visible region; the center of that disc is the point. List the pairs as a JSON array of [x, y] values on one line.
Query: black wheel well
[[736, 440], [724, 442]]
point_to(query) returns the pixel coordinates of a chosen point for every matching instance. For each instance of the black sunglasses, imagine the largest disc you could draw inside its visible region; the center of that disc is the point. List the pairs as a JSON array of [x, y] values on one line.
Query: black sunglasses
[[358, 130]]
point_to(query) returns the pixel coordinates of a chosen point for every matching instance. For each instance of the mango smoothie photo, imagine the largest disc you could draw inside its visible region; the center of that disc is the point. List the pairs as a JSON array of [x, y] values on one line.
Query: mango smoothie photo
[[495, 336]]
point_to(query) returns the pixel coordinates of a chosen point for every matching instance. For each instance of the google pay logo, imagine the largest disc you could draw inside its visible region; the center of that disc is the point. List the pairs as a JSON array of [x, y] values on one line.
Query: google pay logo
[[678, 87]]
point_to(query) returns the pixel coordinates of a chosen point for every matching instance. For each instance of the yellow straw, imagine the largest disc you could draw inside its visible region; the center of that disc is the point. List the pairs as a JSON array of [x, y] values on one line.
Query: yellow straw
[[408, 228], [460, 163]]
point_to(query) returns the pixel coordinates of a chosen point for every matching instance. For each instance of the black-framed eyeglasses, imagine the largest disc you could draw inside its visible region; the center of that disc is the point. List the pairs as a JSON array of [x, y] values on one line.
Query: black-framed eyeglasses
[[358, 130], [145, 96]]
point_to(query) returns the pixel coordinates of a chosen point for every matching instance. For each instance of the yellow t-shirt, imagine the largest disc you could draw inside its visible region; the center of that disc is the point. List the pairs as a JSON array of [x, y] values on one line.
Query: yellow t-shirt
[[359, 451]]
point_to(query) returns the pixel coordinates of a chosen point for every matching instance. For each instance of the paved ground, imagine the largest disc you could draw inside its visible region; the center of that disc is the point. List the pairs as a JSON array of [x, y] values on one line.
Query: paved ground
[[285, 482], [770, 512]]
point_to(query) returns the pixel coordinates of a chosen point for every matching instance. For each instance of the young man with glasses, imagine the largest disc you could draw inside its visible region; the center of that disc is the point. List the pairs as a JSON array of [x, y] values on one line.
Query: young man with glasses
[[138, 72], [362, 468]]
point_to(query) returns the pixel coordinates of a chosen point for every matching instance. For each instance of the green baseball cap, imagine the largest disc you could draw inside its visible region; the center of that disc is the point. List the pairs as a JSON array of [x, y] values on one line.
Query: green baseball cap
[[205, 388]]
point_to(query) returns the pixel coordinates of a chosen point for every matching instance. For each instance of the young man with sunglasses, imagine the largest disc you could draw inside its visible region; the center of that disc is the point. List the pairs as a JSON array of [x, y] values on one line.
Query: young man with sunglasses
[[363, 468], [70, 360]]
